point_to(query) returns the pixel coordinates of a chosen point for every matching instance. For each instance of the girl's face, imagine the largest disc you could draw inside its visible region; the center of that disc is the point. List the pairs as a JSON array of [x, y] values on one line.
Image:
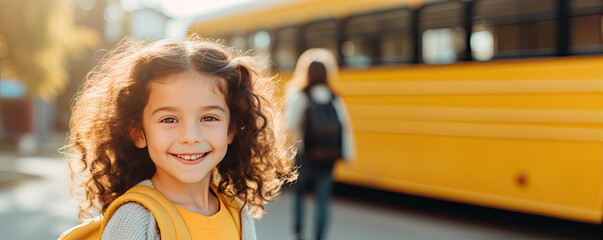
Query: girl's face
[[185, 126]]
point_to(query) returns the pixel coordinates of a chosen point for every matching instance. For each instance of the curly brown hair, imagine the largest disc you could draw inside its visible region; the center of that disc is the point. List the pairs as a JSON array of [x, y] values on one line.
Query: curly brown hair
[[103, 159]]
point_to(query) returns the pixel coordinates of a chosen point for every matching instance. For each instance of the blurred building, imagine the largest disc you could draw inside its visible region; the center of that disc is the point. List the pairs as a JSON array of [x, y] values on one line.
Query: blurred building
[[90, 14], [111, 22], [146, 23]]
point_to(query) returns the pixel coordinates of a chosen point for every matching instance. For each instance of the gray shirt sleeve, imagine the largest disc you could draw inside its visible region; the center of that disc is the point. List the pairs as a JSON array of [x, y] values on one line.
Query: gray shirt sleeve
[[347, 135], [247, 225], [131, 221], [297, 102]]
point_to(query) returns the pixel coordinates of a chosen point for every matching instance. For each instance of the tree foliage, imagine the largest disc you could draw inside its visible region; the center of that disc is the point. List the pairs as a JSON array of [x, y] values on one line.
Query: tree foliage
[[37, 38]]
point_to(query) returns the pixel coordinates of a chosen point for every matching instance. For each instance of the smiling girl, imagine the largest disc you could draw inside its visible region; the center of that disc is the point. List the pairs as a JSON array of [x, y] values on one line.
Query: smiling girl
[[192, 119]]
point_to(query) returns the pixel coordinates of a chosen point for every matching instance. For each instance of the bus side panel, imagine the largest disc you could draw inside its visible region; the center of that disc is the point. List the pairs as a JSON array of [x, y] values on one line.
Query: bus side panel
[[524, 136]]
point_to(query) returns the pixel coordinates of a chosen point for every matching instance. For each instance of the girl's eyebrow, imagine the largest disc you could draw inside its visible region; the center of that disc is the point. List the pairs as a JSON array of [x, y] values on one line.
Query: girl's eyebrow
[[174, 109], [212, 107], [167, 108]]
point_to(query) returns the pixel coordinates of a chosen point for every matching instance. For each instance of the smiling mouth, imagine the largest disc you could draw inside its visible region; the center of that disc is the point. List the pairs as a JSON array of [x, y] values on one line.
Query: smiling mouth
[[191, 156]]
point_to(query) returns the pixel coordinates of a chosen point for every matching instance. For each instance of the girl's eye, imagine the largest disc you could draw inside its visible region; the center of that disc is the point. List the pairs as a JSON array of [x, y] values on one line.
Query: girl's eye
[[208, 119], [169, 120]]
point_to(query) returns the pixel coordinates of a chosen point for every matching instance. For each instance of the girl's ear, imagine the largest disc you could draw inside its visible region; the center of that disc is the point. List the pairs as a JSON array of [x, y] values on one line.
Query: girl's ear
[[231, 134], [137, 136]]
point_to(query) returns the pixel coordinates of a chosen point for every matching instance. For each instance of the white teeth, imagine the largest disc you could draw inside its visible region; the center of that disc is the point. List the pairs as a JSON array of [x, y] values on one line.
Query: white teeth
[[190, 157]]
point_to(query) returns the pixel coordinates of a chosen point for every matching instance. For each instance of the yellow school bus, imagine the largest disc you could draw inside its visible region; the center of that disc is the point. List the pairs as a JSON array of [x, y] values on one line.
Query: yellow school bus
[[496, 103]]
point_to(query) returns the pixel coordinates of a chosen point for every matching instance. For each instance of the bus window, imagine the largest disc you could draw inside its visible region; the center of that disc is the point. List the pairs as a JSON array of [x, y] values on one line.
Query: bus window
[[585, 25], [441, 31], [260, 42], [360, 46], [378, 38], [396, 48], [321, 34], [396, 40], [482, 40], [238, 41], [226, 39], [285, 50], [519, 28], [482, 45]]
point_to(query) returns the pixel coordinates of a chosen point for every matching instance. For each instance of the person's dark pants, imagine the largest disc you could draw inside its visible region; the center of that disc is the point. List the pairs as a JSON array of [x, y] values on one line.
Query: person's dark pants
[[320, 176]]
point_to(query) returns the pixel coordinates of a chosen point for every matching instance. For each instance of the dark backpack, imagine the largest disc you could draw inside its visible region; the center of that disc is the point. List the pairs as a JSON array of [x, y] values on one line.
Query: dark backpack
[[322, 138]]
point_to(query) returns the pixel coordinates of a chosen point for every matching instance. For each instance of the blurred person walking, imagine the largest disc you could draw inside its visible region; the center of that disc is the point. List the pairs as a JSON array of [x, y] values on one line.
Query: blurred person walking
[[320, 126]]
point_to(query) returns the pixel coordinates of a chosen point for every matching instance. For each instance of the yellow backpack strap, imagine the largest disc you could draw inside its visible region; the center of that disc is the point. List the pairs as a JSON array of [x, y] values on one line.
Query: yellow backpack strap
[[171, 225], [84, 231]]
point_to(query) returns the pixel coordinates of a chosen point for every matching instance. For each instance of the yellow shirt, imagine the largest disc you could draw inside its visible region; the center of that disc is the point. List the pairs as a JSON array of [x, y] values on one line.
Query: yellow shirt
[[221, 226]]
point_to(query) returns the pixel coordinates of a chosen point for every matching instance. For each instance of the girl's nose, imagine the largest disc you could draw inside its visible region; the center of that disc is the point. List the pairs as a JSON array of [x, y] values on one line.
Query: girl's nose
[[191, 133]]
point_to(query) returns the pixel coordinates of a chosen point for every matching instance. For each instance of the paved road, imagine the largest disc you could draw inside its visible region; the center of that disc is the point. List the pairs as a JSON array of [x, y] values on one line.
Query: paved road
[[369, 214], [34, 205]]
